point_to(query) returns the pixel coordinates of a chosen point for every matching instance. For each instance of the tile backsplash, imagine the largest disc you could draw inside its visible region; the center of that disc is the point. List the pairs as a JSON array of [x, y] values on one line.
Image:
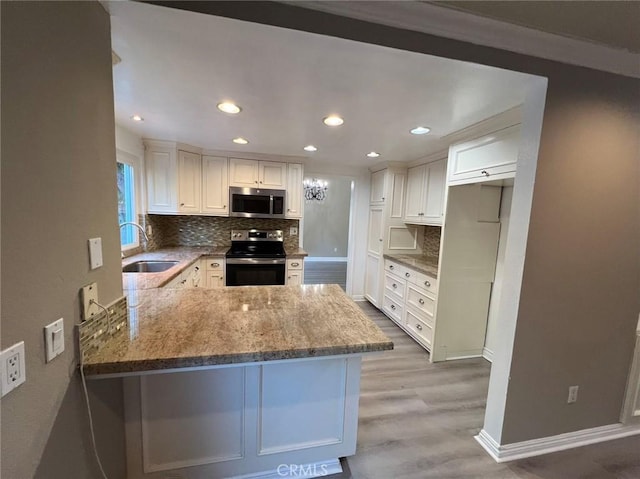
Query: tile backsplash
[[431, 243], [181, 230], [95, 332]]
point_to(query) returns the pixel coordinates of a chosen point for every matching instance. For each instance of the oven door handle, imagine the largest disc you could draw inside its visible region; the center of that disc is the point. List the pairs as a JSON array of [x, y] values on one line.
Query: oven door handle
[[256, 261]]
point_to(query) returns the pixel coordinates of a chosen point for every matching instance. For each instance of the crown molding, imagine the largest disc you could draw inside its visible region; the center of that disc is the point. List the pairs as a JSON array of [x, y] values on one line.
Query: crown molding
[[448, 23]]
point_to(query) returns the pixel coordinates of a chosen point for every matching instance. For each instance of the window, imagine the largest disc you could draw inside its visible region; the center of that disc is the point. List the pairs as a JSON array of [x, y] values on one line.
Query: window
[[127, 205]]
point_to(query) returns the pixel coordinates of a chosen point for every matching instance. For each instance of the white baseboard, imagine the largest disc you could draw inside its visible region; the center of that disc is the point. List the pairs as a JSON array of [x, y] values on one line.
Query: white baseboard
[[358, 297], [325, 259], [561, 442], [487, 354], [306, 471]]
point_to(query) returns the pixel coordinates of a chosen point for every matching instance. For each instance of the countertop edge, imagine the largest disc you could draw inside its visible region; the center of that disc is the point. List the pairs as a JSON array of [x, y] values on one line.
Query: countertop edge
[[408, 264]]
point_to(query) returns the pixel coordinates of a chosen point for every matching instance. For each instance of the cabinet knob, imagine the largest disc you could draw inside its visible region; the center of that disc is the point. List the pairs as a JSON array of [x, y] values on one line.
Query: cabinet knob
[[295, 264], [288, 277], [380, 240], [390, 266], [419, 327], [394, 285], [215, 265], [408, 275], [224, 206], [382, 198], [427, 284], [181, 204], [197, 268], [485, 172], [288, 209], [393, 306], [260, 182], [421, 301], [256, 182]]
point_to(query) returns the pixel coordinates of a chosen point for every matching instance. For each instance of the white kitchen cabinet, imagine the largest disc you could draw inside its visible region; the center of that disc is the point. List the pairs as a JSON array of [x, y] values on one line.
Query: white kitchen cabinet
[[426, 186], [490, 157], [214, 268], [295, 271], [376, 230], [377, 187], [410, 301], [215, 185], [372, 279], [295, 201], [189, 182], [161, 175], [257, 174]]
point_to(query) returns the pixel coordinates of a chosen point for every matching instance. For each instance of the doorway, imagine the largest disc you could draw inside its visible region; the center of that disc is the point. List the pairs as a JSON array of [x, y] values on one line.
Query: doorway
[[325, 231]]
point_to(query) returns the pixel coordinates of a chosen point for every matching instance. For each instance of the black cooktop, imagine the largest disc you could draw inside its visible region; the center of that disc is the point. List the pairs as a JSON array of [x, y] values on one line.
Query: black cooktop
[[264, 249]]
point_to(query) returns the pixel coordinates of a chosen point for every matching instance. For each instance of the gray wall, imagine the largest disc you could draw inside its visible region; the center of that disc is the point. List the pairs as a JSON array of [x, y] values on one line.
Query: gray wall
[[58, 190], [581, 289], [326, 223]]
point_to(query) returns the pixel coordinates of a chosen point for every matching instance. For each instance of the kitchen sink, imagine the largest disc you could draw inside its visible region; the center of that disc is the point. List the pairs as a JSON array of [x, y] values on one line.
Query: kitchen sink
[[149, 266]]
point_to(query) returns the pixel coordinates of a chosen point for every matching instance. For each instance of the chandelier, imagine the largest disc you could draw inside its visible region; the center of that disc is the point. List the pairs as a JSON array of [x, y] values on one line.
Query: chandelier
[[315, 189]]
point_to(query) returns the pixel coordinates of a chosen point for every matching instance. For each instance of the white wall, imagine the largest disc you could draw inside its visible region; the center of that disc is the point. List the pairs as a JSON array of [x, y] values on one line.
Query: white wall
[[493, 332]]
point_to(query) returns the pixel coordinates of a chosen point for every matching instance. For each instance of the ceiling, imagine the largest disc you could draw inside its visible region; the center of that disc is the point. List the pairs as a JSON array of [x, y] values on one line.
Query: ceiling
[[177, 65], [611, 23]]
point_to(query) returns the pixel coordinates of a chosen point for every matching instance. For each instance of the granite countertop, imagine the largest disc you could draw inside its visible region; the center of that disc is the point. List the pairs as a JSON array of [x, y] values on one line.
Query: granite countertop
[[177, 328], [298, 253], [423, 264], [185, 255]]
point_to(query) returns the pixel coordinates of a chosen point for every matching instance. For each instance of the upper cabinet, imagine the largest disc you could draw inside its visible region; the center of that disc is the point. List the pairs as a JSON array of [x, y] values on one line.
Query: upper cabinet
[[377, 187], [295, 201], [257, 174], [215, 185], [426, 186], [180, 180], [490, 157]]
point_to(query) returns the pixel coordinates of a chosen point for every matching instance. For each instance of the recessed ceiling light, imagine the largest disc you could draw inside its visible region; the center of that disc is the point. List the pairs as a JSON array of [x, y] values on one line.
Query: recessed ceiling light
[[310, 148], [240, 141], [229, 107], [420, 130], [373, 154], [333, 120], [137, 118]]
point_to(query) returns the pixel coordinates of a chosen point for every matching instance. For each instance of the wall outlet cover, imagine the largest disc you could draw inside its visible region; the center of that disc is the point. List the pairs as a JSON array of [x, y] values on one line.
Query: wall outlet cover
[[88, 293], [95, 252], [12, 367]]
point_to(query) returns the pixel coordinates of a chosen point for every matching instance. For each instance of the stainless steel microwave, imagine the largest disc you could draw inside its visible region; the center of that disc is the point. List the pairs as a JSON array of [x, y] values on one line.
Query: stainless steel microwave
[[257, 202]]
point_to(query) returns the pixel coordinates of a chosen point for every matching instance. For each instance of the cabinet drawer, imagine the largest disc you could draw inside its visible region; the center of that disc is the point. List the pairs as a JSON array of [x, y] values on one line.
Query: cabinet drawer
[[294, 264], [426, 282], [394, 287], [395, 268], [420, 301], [419, 328], [215, 264], [393, 309]]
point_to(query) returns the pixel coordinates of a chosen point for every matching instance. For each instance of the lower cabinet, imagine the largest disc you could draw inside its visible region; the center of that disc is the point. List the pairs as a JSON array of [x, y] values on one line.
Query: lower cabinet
[[204, 273], [409, 300], [295, 271], [214, 268]]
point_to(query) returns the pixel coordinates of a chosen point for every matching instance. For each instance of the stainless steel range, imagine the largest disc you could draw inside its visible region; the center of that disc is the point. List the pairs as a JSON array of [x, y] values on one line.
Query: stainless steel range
[[256, 257]]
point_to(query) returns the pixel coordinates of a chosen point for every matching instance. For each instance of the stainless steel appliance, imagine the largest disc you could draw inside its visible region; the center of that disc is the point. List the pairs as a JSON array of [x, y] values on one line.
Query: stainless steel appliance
[[256, 257], [257, 202]]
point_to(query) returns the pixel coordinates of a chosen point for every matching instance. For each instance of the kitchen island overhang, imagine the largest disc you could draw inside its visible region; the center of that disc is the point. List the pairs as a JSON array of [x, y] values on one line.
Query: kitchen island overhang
[[240, 381]]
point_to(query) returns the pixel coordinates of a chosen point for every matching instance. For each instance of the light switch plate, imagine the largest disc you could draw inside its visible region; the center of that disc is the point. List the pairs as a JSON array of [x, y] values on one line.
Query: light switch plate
[[88, 293], [293, 230], [54, 339], [95, 252]]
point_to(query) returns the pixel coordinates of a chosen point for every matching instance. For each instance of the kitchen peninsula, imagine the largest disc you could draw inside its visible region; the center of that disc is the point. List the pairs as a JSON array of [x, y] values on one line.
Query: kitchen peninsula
[[231, 382]]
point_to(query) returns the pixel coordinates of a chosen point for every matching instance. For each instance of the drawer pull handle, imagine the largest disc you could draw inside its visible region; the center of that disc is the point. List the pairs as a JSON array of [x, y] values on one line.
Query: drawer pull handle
[[419, 327], [485, 172], [390, 266], [215, 265], [197, 268], [394, 285], [408, 275], [421, 301], [427, 284], [393, 306], [295, 264]]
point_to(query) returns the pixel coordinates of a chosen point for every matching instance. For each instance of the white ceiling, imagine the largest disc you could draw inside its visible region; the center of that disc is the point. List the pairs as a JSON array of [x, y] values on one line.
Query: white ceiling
[[177, 65]]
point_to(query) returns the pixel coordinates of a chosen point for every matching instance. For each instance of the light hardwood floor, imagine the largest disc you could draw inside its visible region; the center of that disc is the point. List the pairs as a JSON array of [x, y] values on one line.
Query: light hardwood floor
[[417, 420]]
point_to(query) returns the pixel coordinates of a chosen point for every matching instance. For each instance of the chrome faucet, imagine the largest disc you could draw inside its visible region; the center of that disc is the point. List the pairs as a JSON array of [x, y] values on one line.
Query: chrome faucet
[[146, 238]]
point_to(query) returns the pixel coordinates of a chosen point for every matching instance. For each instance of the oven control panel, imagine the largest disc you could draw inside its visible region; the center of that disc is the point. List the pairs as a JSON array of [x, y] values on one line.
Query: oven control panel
[[257, 235]]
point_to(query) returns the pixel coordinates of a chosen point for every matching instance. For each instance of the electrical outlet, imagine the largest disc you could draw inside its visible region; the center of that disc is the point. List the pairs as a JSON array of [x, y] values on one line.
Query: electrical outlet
[[88, 293], [573, 394], [293, 230], [13, 367]]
